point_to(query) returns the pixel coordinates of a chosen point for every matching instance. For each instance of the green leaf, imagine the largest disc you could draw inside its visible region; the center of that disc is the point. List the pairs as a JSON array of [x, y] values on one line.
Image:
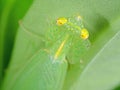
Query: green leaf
[[11, 13], [103, 71]]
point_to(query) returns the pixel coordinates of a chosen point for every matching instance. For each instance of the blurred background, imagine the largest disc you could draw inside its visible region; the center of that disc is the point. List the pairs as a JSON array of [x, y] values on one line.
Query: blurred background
[[11, 11]]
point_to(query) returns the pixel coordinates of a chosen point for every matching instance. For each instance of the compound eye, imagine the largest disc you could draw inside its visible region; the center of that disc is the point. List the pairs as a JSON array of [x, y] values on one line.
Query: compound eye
[[84, 34], [61, 21]]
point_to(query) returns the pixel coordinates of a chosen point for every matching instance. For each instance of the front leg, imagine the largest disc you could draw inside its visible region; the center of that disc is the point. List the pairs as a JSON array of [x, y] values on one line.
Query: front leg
[[25, 29]]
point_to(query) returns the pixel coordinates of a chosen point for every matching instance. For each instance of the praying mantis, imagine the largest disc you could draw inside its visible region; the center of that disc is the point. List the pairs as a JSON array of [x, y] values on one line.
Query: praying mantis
[[67, 39]]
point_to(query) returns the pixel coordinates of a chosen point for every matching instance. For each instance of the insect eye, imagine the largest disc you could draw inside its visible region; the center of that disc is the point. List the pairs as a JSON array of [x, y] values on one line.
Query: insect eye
[[84, 34], [61, 21]]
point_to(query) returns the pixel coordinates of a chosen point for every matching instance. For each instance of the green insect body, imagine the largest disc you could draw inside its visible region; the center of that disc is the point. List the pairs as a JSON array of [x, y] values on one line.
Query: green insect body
[[65, 40]]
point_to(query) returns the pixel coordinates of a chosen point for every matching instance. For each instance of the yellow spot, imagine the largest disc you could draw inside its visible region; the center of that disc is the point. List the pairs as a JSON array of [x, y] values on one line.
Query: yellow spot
[[79, 18], [84, 34], [60, 49], [61, 21]]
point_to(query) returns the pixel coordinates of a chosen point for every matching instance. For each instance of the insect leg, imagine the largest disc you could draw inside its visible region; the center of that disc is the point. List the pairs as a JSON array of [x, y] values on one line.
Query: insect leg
[[41, 37]]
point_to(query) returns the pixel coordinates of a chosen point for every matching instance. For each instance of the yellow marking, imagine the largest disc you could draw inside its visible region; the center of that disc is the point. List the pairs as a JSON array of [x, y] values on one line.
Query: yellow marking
[[84, 34], [60, 49], [61, 21], [79, 18]]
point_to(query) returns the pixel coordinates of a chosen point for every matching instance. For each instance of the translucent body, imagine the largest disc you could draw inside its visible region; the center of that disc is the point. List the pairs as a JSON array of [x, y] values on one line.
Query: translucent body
[[68, 38]]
